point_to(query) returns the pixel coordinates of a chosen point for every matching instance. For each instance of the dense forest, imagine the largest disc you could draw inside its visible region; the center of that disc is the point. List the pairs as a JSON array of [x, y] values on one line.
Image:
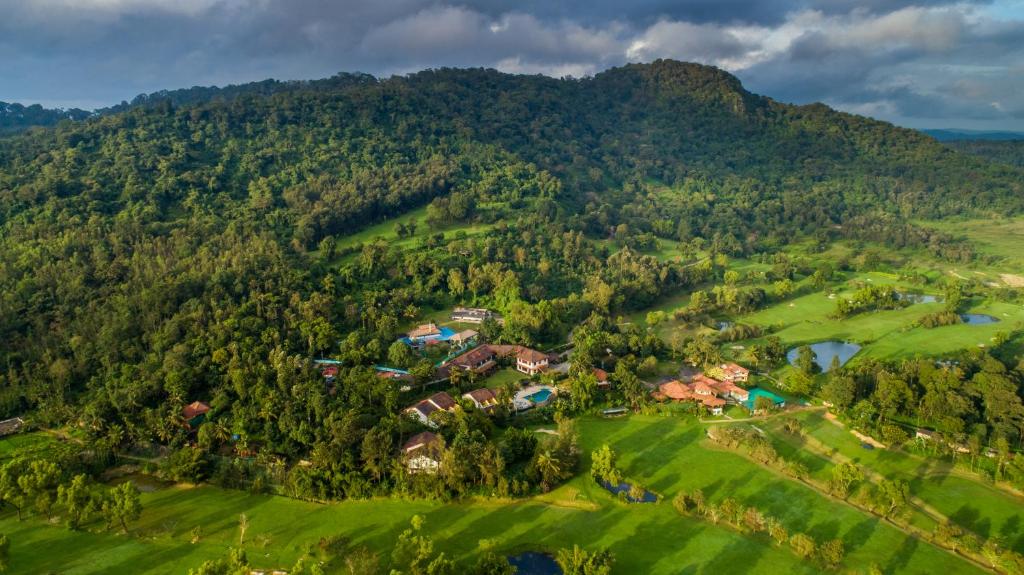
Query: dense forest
[[186, 247], [1009, 152], [16, 117]]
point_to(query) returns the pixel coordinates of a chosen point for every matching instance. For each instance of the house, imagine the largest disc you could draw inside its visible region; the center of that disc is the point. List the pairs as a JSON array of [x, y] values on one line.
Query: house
[[531, 361], [924, 434], [472, 314], [195, 413], [479, 360], [330, 372], [602, 378], [422, 411], [424, 332], [729, 372], [422, 453], [701, 390], [464, 337], [484, 399]]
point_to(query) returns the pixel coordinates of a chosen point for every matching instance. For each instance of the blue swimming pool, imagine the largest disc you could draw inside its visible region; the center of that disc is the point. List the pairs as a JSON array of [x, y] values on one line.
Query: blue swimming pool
[[445, 335], [756, 392], [539, 397]]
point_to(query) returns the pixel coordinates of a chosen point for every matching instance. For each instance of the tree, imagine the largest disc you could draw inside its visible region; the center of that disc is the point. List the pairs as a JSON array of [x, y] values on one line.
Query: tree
[[807, 360], [893, 494], [76, 497], [630, 386], [583, 389], [839, 390], [39, 485], [603, 466], [831, 553], [400, 355], [490, 563], [122, 505], [777, 531], [763, 404], [414, 552], [243, 526], [844, 476], [578, 561], [803, 545], [5, 552]]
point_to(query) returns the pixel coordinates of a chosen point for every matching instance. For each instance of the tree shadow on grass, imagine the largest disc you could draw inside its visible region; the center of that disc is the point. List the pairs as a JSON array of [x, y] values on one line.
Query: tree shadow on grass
[[856, 536], [824, 531], [903, 555], [970, 518]]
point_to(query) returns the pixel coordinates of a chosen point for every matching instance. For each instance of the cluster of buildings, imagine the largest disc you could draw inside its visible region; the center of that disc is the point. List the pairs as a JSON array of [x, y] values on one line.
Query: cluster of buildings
[[714, 388]]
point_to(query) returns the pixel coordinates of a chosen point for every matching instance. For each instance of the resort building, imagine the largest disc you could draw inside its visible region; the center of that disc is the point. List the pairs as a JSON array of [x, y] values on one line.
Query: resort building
[[479, 360], [729, 372], [472, 314], [531, 361], [484, 399], [422, 411], [195, 413], [423, 453], [464, 337]]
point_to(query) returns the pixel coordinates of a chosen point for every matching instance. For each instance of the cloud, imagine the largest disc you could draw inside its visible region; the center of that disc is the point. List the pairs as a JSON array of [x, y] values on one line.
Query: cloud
[[897, 59]]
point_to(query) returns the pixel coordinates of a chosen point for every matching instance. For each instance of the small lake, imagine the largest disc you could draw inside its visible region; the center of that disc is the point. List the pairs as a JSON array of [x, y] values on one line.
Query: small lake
[[724, 325], [917, 298], [648, 497], [825, 351], [535, 563], [978, 318]]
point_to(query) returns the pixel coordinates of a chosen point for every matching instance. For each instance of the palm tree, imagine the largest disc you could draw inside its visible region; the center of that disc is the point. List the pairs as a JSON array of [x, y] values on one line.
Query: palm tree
[[550, 468]]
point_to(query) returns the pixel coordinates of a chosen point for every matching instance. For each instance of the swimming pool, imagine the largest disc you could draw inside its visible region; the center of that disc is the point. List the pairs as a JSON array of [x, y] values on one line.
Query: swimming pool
[[756, 392], [539, 397]]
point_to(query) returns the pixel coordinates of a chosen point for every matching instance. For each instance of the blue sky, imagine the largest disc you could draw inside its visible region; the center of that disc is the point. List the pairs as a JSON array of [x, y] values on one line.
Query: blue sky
[[916, 63]]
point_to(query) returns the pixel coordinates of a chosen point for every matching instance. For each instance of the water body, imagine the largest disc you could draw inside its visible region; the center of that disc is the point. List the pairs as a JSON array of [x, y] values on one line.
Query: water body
[[534, 563], [724, 325], [978, 318], [648, 497], [825, 351], [917, 298]]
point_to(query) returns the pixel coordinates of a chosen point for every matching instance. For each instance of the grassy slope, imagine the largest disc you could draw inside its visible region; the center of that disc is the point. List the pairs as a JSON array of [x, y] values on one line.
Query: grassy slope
[[982, 508], [665, 454]]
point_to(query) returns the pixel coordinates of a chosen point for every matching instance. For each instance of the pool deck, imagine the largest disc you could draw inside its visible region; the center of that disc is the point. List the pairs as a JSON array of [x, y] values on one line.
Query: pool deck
[[522, 401]]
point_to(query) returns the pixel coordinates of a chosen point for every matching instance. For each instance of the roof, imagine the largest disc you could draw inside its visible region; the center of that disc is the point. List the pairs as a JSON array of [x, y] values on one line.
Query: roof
[[442, 400], [600, 374], [195, 409], [713, 401], [531, 355], [465, 334], [703, 388], [424, 439], [424, 330], [675, 390], [482, 395], [476, 312], [474, 356]]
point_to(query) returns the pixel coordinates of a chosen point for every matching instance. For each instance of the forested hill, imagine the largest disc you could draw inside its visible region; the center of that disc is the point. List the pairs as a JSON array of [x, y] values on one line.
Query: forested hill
[[17, 117], [179, 251]]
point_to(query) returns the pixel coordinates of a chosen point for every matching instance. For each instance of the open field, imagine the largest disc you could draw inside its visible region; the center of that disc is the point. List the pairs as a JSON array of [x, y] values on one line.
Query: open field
[[1001, 239], [665, 454], [966, 499]]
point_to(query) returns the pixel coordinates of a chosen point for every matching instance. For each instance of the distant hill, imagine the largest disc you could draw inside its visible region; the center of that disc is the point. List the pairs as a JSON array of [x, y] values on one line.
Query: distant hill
[[1010, 152], [955, 135], [17, 117]]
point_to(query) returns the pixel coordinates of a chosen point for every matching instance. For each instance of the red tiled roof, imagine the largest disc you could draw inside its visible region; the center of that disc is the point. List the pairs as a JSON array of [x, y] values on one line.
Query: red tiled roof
[[195, 409], [600, 374], [675, 390], [424, 330], [483, 395], [442, 400], [712, 401], [531, 355], [424, 439]]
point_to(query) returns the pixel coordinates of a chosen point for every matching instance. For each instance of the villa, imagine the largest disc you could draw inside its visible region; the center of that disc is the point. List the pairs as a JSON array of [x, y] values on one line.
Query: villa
[[479, 360], [484, 399], [531, 361], [729, 372], [712, 393], [422, 411], [423, 453], [602, 378]]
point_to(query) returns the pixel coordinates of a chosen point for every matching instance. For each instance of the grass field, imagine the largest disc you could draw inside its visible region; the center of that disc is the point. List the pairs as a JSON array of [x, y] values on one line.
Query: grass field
[[965, 499], [665, 454]]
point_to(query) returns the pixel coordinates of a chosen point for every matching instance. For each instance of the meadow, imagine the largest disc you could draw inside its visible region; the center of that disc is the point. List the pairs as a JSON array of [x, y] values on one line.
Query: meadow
[[665, 454]]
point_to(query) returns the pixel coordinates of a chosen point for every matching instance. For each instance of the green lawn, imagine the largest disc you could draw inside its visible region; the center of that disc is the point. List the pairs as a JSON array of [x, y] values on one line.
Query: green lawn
[[886, 334], [666, 454], [502, 376], [980, 507]]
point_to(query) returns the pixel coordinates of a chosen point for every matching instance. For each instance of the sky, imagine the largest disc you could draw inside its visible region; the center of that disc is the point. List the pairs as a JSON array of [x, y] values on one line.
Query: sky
[[922, 64]]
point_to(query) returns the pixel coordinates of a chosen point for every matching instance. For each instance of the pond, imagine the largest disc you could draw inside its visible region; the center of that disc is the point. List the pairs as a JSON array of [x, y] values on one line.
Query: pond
[[917, 297], [724, 325], [534, 563], [978, 318], [825, 351], [624, 487]]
